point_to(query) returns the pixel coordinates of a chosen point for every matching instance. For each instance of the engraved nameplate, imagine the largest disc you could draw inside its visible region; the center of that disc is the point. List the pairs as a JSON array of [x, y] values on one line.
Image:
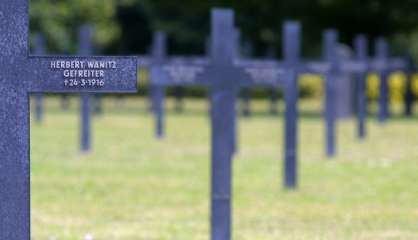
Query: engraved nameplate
[[83, 73], [181, 74], [265, 76]]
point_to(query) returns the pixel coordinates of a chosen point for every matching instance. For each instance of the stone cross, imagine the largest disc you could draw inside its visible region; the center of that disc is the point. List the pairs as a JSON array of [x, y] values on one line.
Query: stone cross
[[21, 75]]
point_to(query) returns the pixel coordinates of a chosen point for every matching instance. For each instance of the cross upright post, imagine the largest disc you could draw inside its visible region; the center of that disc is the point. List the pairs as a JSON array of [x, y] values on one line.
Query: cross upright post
[[273, 93], [85, 49], [159, 53], [382, 55], [22, 75], [223, 92], [39, 50], [360, 45], [329, 67], [237, 56], [330, 56], [292, 52]]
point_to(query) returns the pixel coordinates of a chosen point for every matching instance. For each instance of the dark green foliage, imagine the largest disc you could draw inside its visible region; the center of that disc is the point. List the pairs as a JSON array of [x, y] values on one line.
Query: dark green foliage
[[126, 26]]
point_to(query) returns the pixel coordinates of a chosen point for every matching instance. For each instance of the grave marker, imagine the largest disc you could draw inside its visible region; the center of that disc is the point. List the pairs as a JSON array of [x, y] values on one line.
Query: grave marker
[[224, 76], [383, 65], [331, 41], [329, 67], [292, 53], [345, 104], [273, 93], [181, 76], [22, 74], [382, 56], [159, 53], [361, 51], [223, 79], [39, 50], [85, 49]]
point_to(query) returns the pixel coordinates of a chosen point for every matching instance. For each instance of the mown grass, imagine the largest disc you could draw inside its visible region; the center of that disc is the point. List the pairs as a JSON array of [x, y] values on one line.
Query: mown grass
[[132, 186]]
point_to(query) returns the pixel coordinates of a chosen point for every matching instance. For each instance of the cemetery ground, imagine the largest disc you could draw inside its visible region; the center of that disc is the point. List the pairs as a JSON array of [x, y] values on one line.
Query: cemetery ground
[[132, 186]]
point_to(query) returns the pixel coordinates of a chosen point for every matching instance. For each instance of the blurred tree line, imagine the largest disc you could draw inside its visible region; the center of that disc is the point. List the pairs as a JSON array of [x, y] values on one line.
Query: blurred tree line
[[126, 26]]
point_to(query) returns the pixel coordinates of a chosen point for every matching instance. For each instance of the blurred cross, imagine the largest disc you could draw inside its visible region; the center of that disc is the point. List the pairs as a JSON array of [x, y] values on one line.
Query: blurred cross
[[22, 74]]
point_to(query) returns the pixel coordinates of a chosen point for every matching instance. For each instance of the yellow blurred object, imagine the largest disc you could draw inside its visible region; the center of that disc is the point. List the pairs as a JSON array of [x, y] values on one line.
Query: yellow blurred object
[[414, 84], [397, 86], [143, 76], [311, 85], [373, 86]]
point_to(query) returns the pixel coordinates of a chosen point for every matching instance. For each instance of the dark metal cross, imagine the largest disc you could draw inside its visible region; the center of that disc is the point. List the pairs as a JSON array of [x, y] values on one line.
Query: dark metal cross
[[331, 67], [359, 66], [245, 94], [328, 66], [39, 50], [22, 74], [158, 82], [224, 76], [282, 74], [85, 49], [361, 54], [383, 65]]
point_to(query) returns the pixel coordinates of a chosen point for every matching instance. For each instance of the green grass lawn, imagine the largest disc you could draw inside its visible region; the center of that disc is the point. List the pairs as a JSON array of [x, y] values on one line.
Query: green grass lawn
[[135, 187]]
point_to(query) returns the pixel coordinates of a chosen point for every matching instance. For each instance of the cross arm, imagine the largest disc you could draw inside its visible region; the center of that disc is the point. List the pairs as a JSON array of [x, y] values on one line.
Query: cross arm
[[82, 74], [399, 63], [261, 72], [197, 60], [316, 67], [392, 64], [354, 66], [178, 72]]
